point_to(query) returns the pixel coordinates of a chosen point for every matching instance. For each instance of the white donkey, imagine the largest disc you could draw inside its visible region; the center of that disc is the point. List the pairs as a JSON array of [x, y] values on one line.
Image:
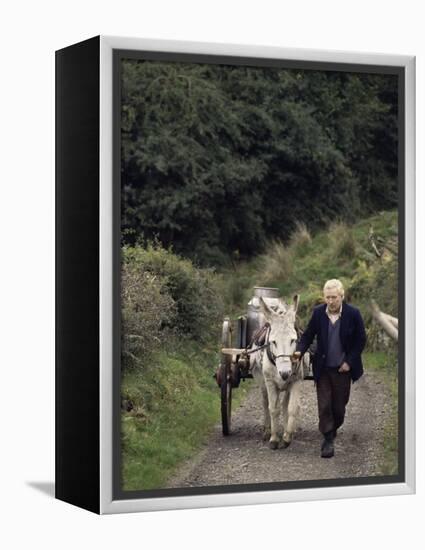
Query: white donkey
[[278, 373]]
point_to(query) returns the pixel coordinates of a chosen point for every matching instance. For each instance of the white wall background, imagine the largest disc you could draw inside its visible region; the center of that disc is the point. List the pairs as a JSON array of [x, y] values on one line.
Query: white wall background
[[30, 33]]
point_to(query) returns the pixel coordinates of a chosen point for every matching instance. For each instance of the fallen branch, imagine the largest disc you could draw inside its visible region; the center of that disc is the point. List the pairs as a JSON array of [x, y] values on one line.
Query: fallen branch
[[387, 322], [391, 319], [372, 241]]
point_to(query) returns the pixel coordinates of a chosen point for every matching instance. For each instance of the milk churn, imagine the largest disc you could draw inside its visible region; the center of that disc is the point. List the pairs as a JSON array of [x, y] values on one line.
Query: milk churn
[[255, 318]]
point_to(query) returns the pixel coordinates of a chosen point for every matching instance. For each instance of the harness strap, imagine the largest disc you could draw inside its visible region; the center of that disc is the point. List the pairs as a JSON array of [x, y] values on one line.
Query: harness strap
[[271, 357], [260, 335]]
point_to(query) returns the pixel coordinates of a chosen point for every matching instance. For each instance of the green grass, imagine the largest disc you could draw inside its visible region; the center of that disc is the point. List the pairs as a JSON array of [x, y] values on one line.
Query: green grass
[[385, 365], [176, 403]]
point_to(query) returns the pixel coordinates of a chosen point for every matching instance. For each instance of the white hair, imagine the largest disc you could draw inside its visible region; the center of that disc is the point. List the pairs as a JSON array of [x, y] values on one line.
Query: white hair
[[334, 283]]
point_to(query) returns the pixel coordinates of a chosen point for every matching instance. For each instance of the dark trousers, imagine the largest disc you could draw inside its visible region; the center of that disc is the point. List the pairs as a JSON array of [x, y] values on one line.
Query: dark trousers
[[333, 393]]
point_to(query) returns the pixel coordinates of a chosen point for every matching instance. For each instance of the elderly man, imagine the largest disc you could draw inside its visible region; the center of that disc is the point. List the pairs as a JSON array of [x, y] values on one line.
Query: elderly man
[[341, 338]]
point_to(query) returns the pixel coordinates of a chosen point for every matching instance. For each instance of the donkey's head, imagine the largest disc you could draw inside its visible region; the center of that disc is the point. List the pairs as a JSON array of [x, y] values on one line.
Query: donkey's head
[[282, 336]]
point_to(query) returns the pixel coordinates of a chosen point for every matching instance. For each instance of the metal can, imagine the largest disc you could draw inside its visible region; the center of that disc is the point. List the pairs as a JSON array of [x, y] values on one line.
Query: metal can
[[255, 319]]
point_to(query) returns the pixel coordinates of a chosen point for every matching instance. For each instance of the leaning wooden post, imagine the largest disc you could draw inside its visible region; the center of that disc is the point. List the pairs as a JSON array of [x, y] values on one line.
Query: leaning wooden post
[[387, 322]]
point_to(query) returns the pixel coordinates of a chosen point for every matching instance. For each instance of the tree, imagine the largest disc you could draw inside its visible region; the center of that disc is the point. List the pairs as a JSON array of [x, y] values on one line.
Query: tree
[[218, 159]]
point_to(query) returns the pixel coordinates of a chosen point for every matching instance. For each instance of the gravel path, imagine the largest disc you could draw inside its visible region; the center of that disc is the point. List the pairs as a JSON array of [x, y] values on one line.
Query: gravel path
[[243, 457]]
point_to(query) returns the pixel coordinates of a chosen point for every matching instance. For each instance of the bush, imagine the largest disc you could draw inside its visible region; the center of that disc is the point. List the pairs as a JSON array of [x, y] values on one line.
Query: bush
[[195, 292], [146, 308]]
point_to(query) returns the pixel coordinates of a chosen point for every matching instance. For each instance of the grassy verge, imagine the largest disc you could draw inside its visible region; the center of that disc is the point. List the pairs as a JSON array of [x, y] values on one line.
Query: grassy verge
[[176, 402], [344, 252], [385, 365], [305, 262]]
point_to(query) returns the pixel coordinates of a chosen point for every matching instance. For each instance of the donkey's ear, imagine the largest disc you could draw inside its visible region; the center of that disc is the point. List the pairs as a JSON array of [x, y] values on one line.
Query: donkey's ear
[[282, 307], [296, 302], [265, 310]]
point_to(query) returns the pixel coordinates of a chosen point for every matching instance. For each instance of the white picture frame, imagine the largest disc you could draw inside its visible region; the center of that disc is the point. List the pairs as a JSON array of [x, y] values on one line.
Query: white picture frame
[[107, 500]]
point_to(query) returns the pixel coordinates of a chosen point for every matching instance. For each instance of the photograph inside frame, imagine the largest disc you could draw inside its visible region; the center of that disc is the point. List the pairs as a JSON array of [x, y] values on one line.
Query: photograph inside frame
[[259, 274]]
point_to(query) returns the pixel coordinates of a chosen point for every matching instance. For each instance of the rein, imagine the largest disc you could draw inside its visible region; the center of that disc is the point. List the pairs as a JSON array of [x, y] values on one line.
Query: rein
[[247, 352], [272, 359]]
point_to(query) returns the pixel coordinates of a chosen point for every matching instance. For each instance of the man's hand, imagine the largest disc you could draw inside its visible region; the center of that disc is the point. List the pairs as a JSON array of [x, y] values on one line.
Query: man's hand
[[296, 356], [345, 367]]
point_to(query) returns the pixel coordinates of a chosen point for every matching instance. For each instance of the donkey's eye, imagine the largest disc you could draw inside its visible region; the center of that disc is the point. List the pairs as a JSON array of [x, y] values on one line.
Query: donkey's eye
[[293, 341]]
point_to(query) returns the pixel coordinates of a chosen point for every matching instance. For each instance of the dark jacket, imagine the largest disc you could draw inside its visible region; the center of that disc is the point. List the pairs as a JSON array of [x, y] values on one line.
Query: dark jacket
[[352, 334]]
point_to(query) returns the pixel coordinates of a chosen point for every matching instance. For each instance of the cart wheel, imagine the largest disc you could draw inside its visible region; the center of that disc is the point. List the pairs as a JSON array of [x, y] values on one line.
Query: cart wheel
[[226, 382]]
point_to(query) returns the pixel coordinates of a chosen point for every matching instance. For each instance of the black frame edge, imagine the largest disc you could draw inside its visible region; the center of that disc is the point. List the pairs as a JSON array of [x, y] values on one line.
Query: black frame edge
[[77, 457]]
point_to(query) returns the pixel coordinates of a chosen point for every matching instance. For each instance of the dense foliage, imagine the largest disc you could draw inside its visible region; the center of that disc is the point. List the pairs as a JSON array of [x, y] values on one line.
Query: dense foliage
[[215, 158], [164, 297], [147, 310]]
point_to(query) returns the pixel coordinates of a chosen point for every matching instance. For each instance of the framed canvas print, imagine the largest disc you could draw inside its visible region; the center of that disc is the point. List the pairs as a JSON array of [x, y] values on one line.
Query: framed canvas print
[[234, 274]]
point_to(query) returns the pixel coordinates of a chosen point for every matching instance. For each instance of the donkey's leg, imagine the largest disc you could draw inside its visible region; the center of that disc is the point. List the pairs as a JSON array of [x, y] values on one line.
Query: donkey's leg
[[292, 412], [266, 413], [273, 395], [285, 401]]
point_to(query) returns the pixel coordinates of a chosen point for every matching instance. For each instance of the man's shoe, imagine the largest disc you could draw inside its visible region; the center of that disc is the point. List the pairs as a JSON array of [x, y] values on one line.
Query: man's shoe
[[327, 449]]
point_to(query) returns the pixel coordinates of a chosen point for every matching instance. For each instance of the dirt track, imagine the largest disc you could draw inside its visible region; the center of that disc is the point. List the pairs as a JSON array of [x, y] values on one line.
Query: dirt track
[[243, 457]]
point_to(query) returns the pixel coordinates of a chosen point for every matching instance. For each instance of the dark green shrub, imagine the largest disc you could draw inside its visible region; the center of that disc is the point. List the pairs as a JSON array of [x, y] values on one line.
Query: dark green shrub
[[146, 308], [195, 292]]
